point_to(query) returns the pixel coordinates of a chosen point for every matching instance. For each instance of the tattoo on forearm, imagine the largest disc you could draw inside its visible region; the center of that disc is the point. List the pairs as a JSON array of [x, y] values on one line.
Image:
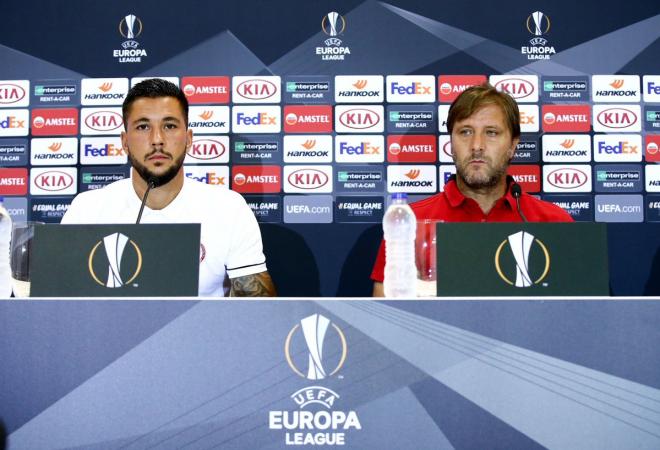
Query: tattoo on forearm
[[257, 285]]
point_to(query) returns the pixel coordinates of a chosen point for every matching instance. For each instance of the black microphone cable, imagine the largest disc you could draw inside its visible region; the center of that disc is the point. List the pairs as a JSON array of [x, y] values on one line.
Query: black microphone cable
[[151, 184], [516, 191]]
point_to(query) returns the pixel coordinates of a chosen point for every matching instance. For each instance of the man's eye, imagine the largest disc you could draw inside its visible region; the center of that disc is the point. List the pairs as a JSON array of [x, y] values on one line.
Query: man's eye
[[492, 133], [142, 126], [170, 126], [466, 132]]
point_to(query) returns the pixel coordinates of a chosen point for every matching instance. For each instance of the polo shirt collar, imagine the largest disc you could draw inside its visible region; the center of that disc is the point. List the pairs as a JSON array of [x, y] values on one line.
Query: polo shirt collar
[[456, 197]]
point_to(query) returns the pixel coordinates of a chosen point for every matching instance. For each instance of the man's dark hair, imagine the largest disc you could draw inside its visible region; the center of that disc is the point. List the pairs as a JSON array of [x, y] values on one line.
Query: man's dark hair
[[154, 88], [476, 97]]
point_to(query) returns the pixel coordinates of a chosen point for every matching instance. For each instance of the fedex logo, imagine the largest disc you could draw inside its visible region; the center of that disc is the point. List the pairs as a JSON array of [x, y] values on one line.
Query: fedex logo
[[14, 122], [617, 148], [215, 175], [101, 121], [450, 86], [523, 88], [651, 88], [256, 119], [410, 88], [14, 93], [208, 150], [529, 118], [445, 172], [359, 149], [256, 89], [102, 151], [364, 119], [617, 118]]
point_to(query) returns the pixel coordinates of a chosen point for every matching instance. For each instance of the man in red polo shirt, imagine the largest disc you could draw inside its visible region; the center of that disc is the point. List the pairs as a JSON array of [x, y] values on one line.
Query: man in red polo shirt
[[485, 129]]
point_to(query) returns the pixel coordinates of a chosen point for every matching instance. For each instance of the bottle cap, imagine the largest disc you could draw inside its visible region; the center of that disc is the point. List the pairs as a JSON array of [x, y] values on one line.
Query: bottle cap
[[399, 196]]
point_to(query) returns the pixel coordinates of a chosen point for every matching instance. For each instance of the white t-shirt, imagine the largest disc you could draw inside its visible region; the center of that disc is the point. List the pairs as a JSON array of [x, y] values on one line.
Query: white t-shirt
[[230, 238]]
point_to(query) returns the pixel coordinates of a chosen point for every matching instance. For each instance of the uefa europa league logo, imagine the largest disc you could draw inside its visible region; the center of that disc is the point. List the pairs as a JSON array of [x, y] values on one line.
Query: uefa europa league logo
[[314, 329], [114, 246], [520, 244]]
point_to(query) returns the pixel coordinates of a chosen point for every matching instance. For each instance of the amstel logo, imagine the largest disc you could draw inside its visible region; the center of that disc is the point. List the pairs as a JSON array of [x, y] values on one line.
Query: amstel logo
[[114, 245], [314, 329], [527, 257]]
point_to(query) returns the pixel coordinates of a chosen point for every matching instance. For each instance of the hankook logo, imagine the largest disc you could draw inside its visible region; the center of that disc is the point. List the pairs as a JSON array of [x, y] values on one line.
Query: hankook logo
[[530, 264], [115, 245], [314, 329]]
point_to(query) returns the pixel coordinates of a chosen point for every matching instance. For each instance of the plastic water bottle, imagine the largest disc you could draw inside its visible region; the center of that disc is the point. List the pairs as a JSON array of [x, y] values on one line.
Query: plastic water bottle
[[399, 227], [5, 238]]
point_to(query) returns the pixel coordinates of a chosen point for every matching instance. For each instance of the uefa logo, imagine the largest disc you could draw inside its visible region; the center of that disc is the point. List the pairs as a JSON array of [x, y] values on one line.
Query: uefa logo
[[130, 27], [333, 24], [314, 330], [526, 263], [116, 262], [538, 23]]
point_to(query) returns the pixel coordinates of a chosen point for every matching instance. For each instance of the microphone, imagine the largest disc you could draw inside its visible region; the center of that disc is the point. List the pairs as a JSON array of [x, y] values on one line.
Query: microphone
[[516, 191], [150, 184]]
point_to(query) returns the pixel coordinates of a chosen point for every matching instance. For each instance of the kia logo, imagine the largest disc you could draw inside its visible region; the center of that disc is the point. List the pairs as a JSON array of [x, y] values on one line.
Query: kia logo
[[308, 178], [256, 89], [206, 149], [515, 87], [359, 118], [11, 93], [616, 118], [104, 121], [567, 178], [53, 180]]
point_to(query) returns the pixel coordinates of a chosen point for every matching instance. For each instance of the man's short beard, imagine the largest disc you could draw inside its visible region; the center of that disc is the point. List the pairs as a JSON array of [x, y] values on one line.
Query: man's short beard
[[476, 182], [158, 180]]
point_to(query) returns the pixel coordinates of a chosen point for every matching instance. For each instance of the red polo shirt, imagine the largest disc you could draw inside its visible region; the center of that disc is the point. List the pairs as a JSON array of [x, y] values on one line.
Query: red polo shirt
[[452, 206]]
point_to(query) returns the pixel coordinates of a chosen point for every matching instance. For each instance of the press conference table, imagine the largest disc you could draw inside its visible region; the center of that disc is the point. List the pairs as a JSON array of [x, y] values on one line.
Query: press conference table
[[407, 374]]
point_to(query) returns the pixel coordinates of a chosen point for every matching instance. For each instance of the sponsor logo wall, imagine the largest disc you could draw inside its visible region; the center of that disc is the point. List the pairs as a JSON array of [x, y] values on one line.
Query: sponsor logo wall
[[322, 149]]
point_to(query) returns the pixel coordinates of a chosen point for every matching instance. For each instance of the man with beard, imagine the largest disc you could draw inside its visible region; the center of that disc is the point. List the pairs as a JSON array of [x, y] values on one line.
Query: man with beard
[[485, 129], [156, 137]]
